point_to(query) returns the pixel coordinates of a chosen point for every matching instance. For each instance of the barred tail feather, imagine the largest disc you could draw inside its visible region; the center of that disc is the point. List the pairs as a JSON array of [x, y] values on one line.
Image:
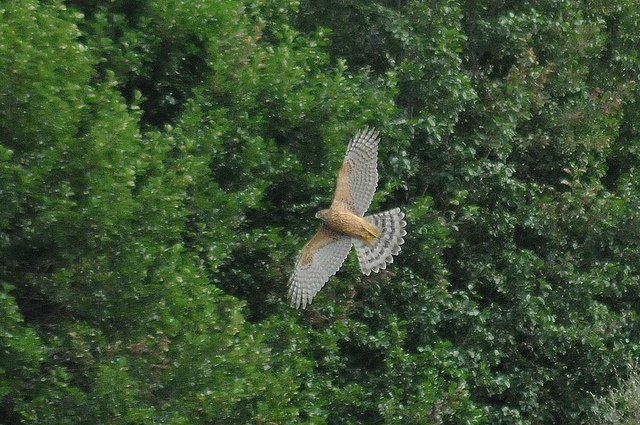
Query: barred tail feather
[[374, 258]]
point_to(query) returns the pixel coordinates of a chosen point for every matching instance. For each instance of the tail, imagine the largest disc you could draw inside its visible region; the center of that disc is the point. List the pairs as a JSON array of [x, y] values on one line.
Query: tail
[[376, 256]]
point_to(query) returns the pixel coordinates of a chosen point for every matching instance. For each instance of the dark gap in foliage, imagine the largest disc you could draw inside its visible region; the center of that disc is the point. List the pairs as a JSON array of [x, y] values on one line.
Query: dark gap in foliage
[[178, 76], [530, 239], [256, 289], [345, 19], [38, 308]]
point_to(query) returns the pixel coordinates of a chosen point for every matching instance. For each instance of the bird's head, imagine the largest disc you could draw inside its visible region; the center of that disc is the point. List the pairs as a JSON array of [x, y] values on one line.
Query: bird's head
[[322, 215]]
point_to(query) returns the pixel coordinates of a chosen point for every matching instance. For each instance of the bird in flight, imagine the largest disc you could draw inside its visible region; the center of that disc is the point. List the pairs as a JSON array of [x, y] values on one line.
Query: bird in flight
[[376, 238]]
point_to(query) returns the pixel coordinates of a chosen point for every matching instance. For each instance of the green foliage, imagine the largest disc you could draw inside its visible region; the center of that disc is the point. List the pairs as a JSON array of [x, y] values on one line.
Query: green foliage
[[621, 405], [161, 161]]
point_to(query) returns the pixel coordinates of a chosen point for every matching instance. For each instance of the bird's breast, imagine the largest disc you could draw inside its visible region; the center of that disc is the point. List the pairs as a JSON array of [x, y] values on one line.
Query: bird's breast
[[350, 224]]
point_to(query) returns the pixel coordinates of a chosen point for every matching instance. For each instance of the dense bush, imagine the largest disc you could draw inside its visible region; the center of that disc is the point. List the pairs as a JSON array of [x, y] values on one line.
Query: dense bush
[[620, 405], [161, 162]]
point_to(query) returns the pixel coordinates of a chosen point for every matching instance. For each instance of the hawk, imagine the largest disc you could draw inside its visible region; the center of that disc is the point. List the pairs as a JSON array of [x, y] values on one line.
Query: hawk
[[377, 238]]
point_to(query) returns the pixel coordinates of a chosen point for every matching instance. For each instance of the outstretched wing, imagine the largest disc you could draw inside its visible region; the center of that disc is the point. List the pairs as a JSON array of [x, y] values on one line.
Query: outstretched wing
[[358, 176], [320, 259]]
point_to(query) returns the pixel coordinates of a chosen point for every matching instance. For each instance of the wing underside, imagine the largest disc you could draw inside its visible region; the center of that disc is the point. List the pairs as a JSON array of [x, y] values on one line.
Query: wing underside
[[320, 259], [358, 175]]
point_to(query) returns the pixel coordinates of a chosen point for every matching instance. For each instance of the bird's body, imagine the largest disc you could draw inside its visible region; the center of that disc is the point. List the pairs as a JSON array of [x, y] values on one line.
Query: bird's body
[[347, 223], [377, 238]]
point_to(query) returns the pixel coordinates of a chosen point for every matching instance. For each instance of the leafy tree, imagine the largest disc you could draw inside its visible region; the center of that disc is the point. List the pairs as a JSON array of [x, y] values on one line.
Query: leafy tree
[[161, 162], [111, 299], [523, 180]]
